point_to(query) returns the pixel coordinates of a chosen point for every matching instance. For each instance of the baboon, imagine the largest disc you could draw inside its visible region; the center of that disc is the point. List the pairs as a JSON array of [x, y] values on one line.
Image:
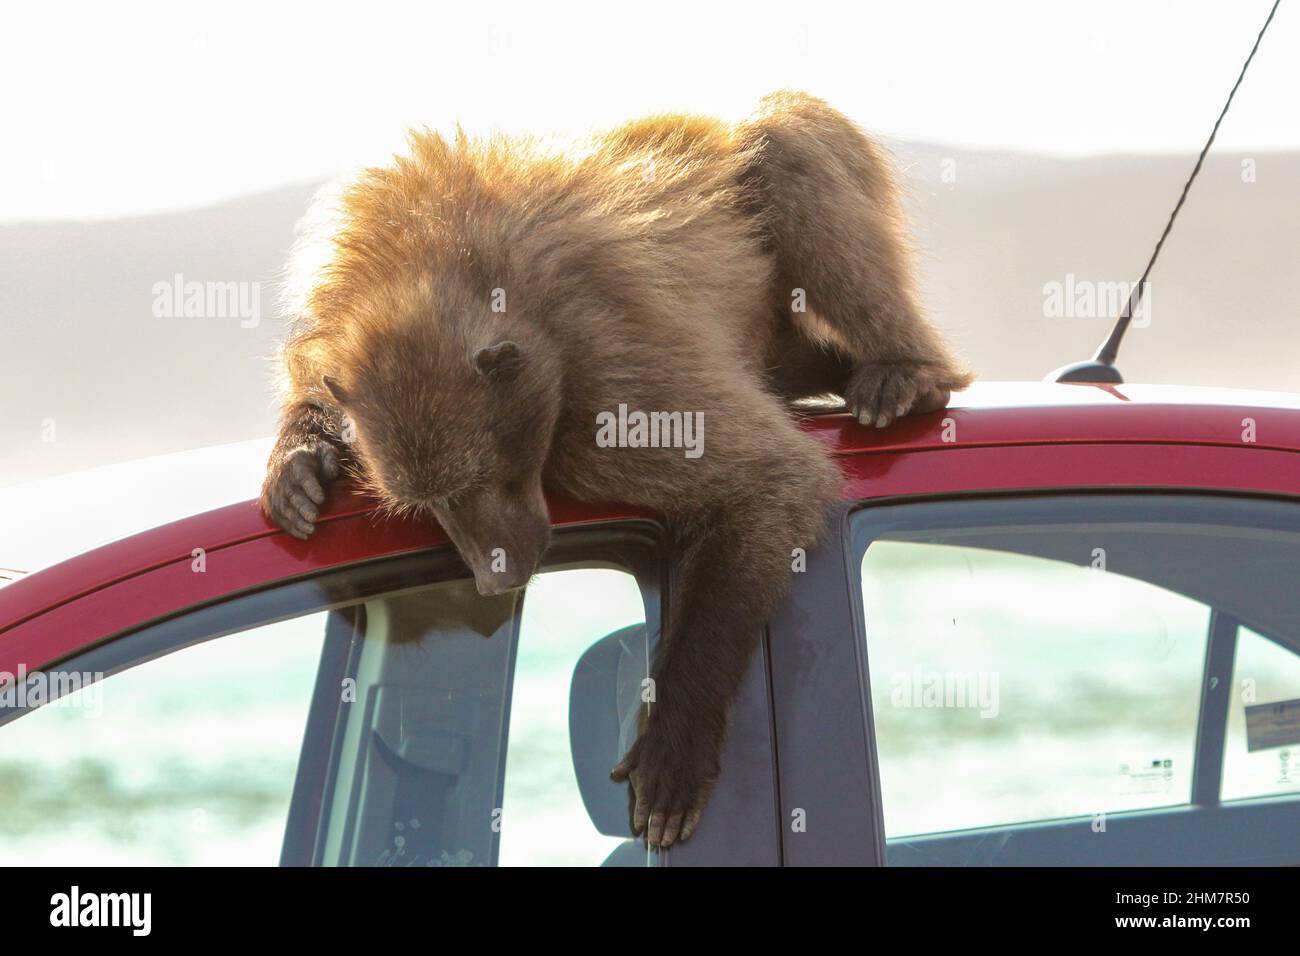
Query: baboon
[[483, 301]]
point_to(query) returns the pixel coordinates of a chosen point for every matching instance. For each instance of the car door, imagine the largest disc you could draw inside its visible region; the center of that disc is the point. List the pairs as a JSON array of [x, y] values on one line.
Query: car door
[[374, 713], [1070, 679]]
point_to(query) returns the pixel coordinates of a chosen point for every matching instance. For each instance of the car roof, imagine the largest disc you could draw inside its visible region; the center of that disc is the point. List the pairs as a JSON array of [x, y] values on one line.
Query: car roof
[[1024, 394], [1017, 413], [991, 394], [988, 414]]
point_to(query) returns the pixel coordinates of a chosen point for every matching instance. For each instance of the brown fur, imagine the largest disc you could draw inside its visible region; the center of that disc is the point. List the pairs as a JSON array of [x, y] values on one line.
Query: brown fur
[[655, 267]]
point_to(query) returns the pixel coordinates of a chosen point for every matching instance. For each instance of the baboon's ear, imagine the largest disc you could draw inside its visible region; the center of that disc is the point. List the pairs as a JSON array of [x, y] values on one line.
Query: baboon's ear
[[336, 390], [501, 361]]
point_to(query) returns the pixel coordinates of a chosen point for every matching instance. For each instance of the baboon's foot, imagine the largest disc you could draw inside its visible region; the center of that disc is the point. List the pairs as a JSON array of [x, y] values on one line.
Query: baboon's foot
[[878, 394]]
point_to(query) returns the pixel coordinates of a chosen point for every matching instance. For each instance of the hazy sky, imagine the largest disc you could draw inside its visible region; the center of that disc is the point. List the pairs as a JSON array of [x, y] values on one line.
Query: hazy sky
[[116, 109]]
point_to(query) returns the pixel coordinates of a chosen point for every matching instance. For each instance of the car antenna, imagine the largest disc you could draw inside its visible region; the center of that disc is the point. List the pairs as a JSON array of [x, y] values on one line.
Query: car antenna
[[1101, 368]]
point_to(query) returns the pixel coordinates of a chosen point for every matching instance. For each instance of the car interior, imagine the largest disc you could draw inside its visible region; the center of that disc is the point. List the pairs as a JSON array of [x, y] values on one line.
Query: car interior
[[412, 772]]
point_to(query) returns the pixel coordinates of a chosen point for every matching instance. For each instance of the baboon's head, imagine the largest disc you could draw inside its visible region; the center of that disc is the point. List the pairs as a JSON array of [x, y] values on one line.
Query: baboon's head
[[454, 420]]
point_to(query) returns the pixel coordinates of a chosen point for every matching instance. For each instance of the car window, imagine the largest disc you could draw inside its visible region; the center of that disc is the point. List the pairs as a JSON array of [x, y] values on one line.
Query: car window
[[544, 820], [384, 715], [1029, 688], [1265, 675], [187, 759], [482, 730], [1035, 661]]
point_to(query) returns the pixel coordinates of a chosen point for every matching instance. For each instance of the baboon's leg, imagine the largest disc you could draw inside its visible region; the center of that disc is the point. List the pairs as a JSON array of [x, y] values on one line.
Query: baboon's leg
[[767, 497], [830, 210], [307, 456]]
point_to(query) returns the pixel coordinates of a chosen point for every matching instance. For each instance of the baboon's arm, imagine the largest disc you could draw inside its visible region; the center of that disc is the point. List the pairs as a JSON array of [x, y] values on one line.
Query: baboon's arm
[[829, 206], [735, 562]]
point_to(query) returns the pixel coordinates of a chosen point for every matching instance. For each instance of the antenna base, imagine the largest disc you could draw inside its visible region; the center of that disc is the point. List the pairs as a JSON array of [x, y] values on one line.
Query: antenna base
[[1094, 372]]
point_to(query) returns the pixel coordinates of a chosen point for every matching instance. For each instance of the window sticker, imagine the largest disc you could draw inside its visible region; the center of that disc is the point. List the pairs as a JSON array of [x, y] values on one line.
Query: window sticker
[[1273, 725], [1146, 776], [1287, 770]]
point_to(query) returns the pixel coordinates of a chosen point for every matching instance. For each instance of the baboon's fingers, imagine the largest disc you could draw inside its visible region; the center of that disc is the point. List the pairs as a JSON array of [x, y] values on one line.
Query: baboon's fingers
[[672, 829], [312, 489], [898, 394], [293, 523], [638, 796], [865, 393], [303, 469], [640, 816], [281, 509], [623, 769], [302, 528], [690, 822], [304, 506], [869, 410], [880, 394], [280, 506], [655, 835]]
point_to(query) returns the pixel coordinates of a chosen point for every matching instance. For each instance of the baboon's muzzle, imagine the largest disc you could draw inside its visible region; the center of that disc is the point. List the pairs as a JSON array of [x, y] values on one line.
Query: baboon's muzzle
[[501, 537]]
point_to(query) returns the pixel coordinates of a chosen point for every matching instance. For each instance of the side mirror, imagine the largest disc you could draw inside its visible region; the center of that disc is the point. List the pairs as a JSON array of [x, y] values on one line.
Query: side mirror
[[604, 707]]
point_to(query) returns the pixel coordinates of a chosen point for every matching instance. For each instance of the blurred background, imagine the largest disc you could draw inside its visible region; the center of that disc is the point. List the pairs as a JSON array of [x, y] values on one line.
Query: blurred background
[[1040, 142]]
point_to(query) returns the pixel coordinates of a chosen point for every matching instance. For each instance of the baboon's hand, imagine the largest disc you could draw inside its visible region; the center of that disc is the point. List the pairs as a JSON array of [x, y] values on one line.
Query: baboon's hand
[[879, 394], [295, 486], [670, 784]]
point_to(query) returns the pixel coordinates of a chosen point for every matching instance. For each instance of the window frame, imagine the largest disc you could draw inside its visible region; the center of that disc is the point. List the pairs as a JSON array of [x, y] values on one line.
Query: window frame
[[1213, 706], [636, 545]]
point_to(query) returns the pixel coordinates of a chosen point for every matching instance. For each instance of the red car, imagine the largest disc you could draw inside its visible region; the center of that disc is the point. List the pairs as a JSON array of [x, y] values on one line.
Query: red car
[[1054, 624]]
